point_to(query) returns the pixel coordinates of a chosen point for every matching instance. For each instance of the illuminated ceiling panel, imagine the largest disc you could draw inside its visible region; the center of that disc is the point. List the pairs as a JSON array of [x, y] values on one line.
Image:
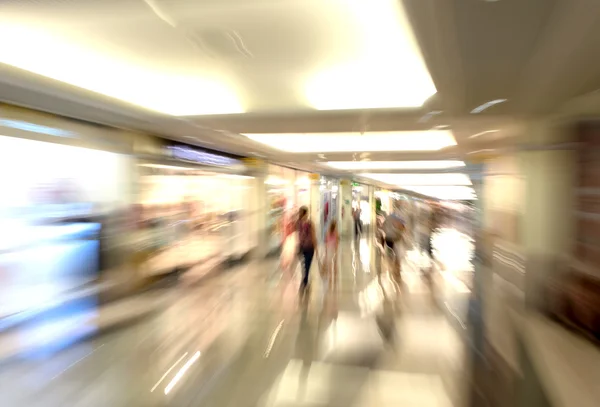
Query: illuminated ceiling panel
[[379, 75], [431, 140], [421, 179], [395, 165]]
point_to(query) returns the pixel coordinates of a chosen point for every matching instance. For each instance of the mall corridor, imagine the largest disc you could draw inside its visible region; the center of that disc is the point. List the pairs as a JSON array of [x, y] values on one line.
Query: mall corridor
[[245, 338]]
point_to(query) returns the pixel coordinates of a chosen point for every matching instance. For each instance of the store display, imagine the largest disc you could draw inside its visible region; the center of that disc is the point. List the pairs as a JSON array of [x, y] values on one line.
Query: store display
[[190, 217], [53, 218]]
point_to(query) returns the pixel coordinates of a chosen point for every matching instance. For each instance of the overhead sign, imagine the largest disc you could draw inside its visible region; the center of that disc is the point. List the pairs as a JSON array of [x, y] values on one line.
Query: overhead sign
[[199, 156], [254, 163]]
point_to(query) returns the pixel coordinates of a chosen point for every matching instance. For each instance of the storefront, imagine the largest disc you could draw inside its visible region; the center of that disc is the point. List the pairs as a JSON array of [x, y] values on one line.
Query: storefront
[[62, 183], [360, 202], [328, 206], [194, 206], [287, 190]]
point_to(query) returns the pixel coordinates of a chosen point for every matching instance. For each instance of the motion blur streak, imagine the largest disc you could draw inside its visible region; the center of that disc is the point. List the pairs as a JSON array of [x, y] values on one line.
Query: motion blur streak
[[181, 372], [276, 203]]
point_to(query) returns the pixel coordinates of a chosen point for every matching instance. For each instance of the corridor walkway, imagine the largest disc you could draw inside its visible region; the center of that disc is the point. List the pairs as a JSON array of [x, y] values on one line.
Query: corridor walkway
[[245, 338]]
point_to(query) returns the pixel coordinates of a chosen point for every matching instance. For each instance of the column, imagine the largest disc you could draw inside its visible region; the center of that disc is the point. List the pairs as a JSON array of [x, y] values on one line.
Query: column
[[259, 208], [345, 223], [315, 202], [372, 211]]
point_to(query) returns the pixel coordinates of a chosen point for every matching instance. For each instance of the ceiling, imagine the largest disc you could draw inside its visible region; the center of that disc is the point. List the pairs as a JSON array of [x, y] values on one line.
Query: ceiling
[[539, 55]]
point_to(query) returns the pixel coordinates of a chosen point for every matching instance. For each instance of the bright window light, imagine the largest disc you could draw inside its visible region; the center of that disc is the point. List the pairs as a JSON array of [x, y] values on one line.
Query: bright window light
[[445, 192], [420, 179], [272, 180], [90, 67], [377, 75], [303, 181], [429, 140], [395, 165]]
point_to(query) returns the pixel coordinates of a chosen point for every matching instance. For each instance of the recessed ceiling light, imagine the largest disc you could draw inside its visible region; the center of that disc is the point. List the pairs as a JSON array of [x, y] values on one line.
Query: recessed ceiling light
[[430, 140], [487, 105], [378, 76], [395, 165], [484, 133], [420, 179]]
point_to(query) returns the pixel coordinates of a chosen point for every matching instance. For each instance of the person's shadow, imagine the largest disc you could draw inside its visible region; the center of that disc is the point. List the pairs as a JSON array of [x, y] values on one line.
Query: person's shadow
[[305, 347]]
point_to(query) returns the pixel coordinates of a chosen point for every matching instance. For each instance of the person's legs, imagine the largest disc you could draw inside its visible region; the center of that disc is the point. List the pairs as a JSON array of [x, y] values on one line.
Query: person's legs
[[307, 256]]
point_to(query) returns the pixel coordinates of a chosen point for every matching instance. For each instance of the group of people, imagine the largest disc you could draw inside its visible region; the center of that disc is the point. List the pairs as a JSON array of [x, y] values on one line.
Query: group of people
[[301, 244]]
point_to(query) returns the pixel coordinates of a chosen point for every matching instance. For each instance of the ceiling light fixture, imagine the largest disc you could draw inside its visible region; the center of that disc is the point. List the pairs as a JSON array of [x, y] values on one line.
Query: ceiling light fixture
[[421, 179], [103, 70], [395, 165], [429, 140], [167, 167], [483, 133], [445, 192], [487, 105], [377, 76]]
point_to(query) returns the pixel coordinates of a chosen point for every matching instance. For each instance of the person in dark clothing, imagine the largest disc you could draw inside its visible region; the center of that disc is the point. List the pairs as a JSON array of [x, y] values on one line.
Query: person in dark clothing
[[307, 242]]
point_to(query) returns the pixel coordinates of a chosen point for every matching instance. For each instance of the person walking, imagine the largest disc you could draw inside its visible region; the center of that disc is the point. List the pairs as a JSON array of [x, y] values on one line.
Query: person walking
[[307, 242], [332, 241]]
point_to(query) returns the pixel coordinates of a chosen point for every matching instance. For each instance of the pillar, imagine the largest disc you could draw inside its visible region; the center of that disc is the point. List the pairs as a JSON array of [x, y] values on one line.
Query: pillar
[[259, 208], [345, 224], [315, 202]]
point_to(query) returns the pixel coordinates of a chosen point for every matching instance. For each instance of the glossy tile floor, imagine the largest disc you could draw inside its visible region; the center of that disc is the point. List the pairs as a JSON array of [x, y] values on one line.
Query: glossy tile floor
[[247, 338]]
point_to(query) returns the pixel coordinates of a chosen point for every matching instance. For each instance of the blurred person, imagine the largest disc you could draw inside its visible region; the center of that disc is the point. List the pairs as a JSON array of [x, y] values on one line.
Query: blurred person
[[393, 233], [290, 251], [356, 211], [427, 230], [307, 243], [332, 241]]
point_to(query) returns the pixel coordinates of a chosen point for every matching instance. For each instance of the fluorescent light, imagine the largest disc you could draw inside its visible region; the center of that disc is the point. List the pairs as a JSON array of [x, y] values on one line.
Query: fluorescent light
[[483, 133], [394, 165], [445, 192], [35, 128], [375, 75], [428, 140], [487, 105], [106, 71], [420, 179], [167, 167]]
